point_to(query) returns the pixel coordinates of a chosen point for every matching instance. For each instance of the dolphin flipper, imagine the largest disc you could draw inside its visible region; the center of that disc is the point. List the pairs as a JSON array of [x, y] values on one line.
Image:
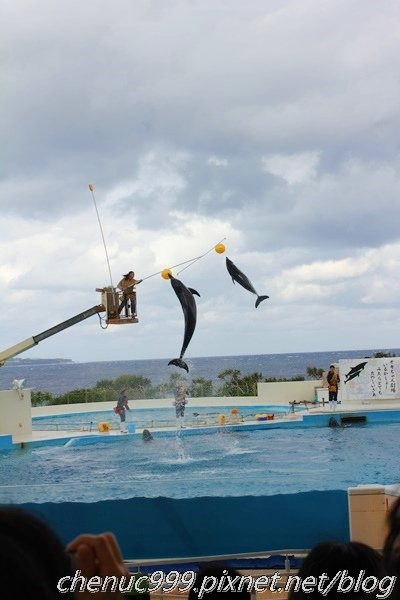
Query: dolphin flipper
[[178, 362], [194, 292], [260, 299]]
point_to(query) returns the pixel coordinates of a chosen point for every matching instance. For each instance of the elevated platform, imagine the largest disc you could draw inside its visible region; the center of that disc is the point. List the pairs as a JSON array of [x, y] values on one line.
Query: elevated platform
[[121, 320]]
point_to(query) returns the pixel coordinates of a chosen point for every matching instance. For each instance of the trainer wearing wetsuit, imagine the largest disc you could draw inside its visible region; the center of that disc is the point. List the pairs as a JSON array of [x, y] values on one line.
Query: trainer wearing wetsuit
[[180, 403], [122, 404]]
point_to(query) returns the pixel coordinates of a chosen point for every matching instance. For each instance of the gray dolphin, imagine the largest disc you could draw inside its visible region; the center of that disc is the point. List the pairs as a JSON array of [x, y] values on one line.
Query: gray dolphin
[[185, 296], [241, 278], [355, 371]]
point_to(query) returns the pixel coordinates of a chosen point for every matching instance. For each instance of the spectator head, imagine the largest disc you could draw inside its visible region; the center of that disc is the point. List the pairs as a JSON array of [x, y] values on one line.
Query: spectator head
[[352, 560], [391, 549], [32, 557]]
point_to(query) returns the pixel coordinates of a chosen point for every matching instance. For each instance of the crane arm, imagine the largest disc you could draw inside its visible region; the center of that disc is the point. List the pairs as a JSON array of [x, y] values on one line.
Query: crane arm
[[34, 340]]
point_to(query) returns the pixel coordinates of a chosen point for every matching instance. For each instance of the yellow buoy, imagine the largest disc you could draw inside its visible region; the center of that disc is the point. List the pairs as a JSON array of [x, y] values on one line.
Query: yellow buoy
[[219, 248], [165, 273], [221, 419], [103, 427]]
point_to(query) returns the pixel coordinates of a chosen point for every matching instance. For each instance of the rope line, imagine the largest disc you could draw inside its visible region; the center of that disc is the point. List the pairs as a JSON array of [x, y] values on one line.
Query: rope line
[[189, 262], [91, 188]]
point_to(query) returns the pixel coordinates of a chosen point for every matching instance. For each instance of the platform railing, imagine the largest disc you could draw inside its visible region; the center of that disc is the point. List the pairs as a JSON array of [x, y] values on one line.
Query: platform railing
[[200, 421], [138, 564]]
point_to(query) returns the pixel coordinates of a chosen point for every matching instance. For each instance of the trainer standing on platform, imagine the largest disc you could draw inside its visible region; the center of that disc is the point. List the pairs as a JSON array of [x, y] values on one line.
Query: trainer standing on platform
[[180, 404], [127, 285], [333, 386], [122, 406]]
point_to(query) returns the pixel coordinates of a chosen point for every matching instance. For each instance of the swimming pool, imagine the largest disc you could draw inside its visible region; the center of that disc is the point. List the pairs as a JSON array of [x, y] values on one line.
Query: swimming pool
[[224, 464]]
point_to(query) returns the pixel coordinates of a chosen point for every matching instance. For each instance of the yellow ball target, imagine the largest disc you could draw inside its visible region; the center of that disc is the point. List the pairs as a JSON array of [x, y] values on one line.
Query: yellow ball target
[[165, 273], [219, 248]]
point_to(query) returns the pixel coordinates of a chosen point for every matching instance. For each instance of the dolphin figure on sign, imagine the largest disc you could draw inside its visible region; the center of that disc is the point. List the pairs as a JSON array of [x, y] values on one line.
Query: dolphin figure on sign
[[241, 278], [352, 376], [355, 371], [185, 296]]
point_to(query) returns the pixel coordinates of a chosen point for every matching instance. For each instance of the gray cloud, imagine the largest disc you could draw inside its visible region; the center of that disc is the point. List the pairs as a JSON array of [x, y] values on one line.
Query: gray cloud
[[274, 124]]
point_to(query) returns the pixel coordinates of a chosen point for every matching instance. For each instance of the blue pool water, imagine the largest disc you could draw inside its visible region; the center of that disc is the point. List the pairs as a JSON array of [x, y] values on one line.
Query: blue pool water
[[258, 463]]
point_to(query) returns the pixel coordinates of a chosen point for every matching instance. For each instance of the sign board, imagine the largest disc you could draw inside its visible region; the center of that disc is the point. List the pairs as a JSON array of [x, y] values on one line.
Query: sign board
[[370, 378]]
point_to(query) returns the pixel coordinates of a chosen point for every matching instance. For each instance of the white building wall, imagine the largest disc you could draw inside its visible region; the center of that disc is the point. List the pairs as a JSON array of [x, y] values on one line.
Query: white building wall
[[15, 412], [283, 392]]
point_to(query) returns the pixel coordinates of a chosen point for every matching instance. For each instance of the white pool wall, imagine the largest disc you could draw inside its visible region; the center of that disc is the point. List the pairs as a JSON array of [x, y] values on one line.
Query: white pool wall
[[15, 412]]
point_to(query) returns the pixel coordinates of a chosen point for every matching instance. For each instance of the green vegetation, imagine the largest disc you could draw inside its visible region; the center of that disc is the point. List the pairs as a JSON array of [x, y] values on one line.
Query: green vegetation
[[139, 386], [41, 398], [233, 383], [236, 385], [201, 388], [314, 372]]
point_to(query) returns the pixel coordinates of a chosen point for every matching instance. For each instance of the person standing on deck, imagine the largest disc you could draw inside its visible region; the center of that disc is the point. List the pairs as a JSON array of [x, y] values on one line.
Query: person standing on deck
[[333, 386], [120, 409]]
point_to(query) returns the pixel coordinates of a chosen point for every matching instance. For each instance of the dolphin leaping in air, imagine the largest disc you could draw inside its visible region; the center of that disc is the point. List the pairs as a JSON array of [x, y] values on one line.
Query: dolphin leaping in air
[[185, 296], [355, 371], [241, 278]]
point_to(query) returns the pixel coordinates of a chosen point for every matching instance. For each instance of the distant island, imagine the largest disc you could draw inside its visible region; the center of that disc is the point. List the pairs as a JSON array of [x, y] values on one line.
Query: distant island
[[38, 361]]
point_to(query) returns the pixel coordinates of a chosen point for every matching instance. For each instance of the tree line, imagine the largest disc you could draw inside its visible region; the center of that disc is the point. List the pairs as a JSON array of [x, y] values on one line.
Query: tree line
[[231, 383]]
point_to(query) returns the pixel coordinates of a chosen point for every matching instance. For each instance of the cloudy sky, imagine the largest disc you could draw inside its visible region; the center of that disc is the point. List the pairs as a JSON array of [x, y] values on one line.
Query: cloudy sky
[[273, 123]]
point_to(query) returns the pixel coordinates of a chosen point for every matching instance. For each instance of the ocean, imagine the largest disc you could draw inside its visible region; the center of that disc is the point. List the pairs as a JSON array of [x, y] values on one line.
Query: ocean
[[61, 377]]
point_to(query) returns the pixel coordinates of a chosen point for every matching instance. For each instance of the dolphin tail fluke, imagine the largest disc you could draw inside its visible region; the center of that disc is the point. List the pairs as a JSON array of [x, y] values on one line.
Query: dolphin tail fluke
[[178, 362], [260, 299]]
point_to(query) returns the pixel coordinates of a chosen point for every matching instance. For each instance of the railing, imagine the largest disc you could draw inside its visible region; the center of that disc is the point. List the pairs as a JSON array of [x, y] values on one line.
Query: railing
[[146, 562], [71, 426], [180, 565]]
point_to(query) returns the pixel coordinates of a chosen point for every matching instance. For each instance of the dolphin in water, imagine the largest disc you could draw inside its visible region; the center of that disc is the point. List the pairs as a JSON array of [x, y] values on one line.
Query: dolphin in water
[[185, 296], [241, 278], [355, 371]]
